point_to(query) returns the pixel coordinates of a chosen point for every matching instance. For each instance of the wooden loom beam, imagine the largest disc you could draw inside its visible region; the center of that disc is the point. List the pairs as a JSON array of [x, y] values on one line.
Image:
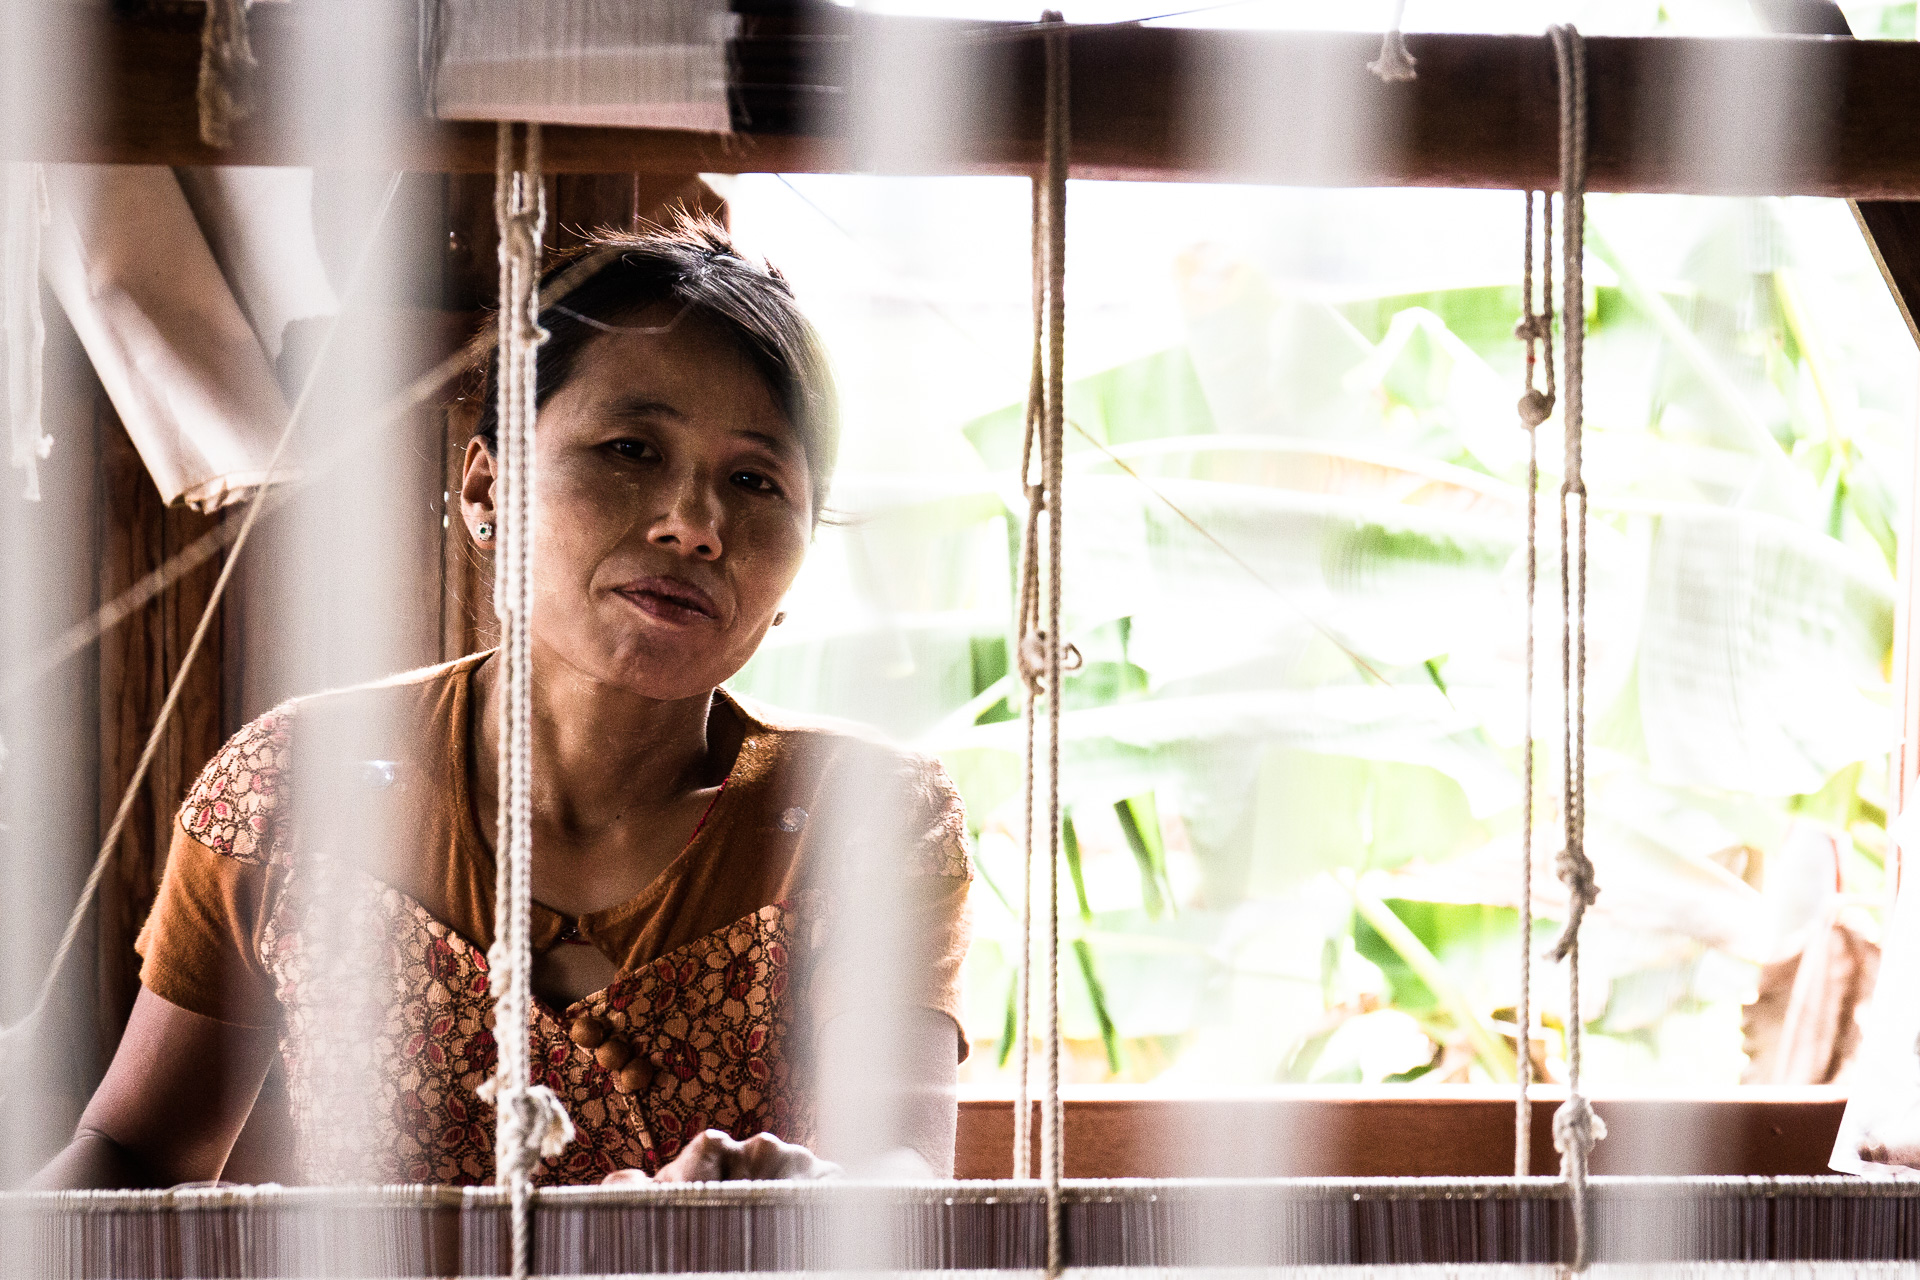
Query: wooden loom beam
[[1669, 114]]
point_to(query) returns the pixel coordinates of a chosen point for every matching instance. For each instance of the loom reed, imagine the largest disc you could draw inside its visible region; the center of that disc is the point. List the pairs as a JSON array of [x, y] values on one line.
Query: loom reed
[[1364, 1226]]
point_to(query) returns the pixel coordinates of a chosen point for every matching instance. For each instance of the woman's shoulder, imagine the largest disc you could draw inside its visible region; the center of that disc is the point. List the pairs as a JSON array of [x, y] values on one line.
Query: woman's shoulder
[[847, 771], [238, 806]]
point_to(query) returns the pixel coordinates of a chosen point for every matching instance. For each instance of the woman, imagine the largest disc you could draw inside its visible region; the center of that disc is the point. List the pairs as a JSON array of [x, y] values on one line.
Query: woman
[[747, 930]]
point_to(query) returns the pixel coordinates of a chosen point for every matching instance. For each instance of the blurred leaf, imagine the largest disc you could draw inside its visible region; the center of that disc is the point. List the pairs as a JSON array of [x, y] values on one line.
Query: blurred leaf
[[1154, 396], [1140, 824], [1097, 994], [1762, 654], [1010, 1031], [1497, 1058], [1070, 842]]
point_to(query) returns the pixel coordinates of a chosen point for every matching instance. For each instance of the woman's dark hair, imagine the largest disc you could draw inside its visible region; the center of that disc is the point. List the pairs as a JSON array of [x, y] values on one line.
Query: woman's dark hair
[[691, 267]]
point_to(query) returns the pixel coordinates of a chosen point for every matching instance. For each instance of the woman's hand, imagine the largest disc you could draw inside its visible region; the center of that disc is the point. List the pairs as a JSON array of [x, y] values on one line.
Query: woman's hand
[[715, 1156]]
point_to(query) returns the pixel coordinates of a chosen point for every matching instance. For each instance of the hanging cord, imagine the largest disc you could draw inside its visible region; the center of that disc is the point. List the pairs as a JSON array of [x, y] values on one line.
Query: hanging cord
[[1535, 329], [226, 71], [531, 1122], [1040, 655], [1054, 440], [1394, 64], [1575, 1126], [1027, 645]]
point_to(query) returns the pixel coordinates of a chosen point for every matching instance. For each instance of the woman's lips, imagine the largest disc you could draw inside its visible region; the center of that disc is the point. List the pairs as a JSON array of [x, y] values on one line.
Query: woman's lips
[[670, 600]]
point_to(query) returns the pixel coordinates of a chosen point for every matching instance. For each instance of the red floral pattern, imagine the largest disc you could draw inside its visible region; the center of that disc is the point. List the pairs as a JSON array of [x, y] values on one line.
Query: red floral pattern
[[387, 1028], [405, 1007], [233, 807]]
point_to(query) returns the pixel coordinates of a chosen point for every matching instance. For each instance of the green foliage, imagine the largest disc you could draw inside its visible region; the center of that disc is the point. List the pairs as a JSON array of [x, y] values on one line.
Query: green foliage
[[1292, 755]]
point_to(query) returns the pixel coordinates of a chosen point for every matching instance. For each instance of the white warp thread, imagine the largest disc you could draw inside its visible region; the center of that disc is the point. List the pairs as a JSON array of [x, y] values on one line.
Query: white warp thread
[[531, 1122], [27, 214], [652, 64], [1535, 329]]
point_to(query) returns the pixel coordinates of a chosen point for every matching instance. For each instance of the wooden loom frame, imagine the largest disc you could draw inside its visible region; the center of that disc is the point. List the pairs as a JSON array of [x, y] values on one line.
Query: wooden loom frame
[[1481, 114]]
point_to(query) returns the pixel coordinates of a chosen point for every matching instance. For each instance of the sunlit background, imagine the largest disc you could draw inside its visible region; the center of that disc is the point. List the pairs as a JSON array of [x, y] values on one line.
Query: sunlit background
[[1296, 464]]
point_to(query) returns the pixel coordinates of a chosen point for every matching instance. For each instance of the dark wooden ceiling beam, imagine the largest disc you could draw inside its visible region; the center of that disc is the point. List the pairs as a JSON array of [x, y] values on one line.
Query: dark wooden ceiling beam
[[1668, 114]]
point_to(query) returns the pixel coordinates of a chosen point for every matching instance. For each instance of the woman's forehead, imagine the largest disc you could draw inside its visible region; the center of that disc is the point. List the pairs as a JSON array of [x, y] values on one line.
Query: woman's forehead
[[689, 371]]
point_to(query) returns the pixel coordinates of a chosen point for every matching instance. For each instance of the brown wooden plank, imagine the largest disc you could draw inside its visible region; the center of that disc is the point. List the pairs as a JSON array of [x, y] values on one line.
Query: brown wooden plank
[[1481, 114], [1387, 1134]]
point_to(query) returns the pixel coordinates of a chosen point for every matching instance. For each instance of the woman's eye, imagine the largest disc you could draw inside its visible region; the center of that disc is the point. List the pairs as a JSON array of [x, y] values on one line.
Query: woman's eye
[[635, 449], [755, 481]]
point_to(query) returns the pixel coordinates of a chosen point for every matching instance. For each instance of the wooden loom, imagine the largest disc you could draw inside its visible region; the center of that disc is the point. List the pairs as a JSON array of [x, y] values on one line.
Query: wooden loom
[[1481, 115], [245, 1233]]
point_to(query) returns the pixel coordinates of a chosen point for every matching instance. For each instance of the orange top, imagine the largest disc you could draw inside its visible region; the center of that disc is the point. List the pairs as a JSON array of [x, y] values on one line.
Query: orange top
[[721, 960]]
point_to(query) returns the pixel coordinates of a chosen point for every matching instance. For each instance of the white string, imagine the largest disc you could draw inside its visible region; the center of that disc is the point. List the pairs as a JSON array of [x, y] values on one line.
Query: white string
[[1535, 329], [1394, 64], [1027, 659], [531, 1122], [1054, 440], [1575, 1126], [23, 219], [1040, 655]]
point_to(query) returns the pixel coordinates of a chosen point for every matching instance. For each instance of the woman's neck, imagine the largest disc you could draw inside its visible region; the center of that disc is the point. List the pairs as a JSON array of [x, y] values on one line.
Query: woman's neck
[[600, 750]]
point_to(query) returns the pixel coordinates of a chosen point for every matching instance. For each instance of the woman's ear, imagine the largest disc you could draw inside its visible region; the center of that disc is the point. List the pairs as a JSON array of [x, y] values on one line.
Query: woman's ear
[[476, 493]]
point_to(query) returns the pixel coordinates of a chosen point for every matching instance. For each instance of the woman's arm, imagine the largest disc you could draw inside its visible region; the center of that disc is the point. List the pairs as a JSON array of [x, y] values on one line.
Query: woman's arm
[[174, 1100]]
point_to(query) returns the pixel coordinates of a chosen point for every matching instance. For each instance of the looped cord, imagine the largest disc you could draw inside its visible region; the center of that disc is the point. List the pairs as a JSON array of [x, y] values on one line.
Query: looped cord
[[1576, 1128], [1033, 661], [1040, 654], [1395, 64], [530, 1122]]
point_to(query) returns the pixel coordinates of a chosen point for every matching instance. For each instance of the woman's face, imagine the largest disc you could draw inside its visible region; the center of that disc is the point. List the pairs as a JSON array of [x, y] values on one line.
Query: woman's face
[[672, 509]]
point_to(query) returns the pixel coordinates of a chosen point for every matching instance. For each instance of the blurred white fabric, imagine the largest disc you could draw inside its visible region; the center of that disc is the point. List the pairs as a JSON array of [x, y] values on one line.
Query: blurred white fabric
[[23, 206], [258, 222], [186, 372], [633, 63]]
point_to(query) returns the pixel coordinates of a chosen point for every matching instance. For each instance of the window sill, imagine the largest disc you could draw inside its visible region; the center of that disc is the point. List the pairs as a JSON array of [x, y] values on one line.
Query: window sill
[[1360, 1132]]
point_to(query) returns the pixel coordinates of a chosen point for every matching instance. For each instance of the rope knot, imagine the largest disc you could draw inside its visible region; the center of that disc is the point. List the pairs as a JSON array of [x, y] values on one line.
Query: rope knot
[[1535, 408], [1033, 661], [1576, 1130], [1535, 327], [1395, 64], [534, 1125], [1576, 872]]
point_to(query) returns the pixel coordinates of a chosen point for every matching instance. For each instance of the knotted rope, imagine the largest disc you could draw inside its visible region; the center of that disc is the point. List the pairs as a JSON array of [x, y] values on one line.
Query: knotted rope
[[1575, 1126], [1394, 63], [531, 1122], [1040, 654], [226, 71], [1535, 329]]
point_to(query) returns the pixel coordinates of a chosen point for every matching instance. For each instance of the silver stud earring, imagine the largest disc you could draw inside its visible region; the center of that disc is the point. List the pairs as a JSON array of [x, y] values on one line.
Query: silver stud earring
[[779, 617], [485, 532]]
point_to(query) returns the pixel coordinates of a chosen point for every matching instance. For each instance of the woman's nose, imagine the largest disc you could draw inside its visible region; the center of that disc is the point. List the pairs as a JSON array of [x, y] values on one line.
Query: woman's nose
[[690, 524]]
